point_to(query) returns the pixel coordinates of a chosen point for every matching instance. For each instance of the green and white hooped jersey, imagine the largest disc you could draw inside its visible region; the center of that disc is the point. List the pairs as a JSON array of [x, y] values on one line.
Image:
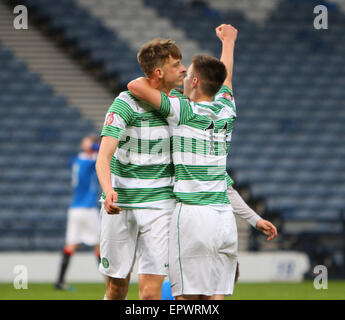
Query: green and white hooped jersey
[[141, 168], [201, 136]]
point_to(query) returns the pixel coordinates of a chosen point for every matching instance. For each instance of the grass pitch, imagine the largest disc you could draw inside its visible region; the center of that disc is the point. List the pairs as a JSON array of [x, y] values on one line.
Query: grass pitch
[[243, 291]]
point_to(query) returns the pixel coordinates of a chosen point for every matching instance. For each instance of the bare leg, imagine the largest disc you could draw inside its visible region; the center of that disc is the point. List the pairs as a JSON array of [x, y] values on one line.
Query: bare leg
[[150, 286], [116, 289]]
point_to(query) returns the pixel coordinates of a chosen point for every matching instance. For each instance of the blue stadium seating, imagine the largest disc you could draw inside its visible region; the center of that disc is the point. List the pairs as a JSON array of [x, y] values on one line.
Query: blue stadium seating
[[90, 37], [36, 144]]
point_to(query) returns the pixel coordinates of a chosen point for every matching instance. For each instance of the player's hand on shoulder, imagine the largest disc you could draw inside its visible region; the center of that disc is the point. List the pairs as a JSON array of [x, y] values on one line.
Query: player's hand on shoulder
[[109, 203], [267, 228]]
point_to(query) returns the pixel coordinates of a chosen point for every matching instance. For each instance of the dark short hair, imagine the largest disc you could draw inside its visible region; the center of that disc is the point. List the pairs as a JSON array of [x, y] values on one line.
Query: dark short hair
[[155, 53], [212, 73]]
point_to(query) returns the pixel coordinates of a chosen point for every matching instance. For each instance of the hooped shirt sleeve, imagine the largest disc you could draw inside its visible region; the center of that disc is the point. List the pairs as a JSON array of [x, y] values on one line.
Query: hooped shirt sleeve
[[118, 117], [226, 97]]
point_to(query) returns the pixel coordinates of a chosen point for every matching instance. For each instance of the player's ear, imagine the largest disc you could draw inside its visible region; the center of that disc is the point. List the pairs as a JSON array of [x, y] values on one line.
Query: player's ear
[[158, 73], [195, 82]]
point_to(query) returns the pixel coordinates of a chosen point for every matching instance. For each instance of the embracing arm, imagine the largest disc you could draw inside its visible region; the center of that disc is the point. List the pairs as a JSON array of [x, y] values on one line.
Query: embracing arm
[[141, 89]]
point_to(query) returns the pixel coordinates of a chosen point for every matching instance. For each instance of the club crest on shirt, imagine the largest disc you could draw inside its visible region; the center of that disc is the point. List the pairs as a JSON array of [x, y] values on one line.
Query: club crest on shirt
[[227, 95], [110, 118]]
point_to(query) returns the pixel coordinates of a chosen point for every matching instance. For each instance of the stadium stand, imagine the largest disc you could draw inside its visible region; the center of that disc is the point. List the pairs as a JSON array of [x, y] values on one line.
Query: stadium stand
[[62, 71], [116, 14], [34, 159], [89, 37], [288, 144]]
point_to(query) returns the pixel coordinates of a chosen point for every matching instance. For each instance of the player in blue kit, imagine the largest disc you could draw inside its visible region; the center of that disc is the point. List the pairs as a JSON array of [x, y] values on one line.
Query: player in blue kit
[[83, 223]]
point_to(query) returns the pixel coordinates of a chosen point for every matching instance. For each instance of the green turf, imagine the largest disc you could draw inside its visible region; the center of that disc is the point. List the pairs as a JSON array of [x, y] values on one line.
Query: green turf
[[288, 291], [243, 291]]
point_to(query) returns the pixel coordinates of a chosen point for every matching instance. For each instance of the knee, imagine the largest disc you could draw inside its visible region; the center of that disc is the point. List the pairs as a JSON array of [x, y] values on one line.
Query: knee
[[116, 289], [150, 292]]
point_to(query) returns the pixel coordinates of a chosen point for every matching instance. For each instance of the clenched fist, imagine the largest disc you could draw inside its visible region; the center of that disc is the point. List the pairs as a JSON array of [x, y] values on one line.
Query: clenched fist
[[226, 32]]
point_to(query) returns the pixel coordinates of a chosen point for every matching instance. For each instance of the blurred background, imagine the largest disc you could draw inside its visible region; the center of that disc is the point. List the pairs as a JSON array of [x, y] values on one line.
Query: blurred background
[[59, 76]]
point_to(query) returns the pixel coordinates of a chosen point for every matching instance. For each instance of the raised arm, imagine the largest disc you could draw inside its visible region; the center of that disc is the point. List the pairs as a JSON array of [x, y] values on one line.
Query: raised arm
[[228, 35], [141, 89]]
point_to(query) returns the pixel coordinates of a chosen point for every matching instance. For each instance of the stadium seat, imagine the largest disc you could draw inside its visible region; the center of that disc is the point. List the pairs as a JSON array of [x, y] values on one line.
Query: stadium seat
[[34, 160]]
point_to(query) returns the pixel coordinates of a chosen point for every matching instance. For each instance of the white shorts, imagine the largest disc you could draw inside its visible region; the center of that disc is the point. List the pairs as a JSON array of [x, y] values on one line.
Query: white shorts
[[202, 250], [137, 233], [83, 226]]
